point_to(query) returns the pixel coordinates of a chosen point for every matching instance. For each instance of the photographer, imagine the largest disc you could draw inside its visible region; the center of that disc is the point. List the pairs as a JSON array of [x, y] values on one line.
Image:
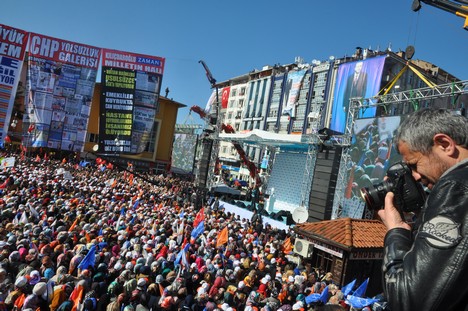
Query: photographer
[[427, 269]]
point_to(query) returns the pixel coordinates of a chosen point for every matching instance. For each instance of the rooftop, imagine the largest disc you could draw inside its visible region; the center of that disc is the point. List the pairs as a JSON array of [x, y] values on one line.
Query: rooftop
[[346, 233]]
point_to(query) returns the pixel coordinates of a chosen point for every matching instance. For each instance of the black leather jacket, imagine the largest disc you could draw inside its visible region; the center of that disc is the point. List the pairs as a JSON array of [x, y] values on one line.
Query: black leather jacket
[[428, 270]]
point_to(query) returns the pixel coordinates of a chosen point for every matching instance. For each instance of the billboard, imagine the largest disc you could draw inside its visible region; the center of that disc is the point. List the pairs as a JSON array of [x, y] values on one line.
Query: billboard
[[12, 49], [131, 84], [371, 154], [355, 79], [60, 83]]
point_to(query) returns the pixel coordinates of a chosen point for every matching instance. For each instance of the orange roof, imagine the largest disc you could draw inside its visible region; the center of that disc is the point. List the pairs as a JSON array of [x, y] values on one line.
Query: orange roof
[[346, 232]]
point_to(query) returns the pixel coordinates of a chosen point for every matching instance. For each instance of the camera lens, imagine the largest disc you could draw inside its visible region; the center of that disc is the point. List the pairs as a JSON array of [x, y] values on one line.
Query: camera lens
[[375, 197]]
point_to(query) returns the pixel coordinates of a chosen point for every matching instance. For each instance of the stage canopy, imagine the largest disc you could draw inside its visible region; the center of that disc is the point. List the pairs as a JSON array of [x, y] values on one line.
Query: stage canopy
[[285, 142]]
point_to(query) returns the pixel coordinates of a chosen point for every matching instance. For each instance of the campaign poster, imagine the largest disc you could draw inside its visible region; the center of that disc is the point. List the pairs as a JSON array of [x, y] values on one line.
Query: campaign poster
[[13, 44], [359, 79], [60, 83], [371, 154], [131, 85], [291, 91]]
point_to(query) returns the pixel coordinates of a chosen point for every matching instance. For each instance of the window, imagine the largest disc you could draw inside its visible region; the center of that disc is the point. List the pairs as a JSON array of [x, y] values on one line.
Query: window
[[273, 113], [93, 138], [151, 147], [242, 91], [233, 92], [323, 260], [240, 105]]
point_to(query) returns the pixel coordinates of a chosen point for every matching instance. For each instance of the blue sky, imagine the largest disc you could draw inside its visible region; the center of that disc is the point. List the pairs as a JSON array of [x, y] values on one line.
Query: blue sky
[[234, 37]]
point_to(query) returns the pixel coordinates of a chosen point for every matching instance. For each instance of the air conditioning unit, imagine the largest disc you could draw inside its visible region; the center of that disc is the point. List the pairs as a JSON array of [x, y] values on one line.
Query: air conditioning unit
[[303, 247]]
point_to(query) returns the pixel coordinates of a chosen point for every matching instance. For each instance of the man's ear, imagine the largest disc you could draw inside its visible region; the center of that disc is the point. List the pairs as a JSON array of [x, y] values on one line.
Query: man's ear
[[444, 142]]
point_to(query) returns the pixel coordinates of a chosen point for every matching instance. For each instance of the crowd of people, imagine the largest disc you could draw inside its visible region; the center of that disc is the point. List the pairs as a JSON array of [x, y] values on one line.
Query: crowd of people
[[95, 237]]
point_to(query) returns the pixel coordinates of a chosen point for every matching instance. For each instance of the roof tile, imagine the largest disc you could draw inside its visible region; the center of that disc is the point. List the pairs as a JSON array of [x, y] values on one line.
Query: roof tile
[[349, 232]]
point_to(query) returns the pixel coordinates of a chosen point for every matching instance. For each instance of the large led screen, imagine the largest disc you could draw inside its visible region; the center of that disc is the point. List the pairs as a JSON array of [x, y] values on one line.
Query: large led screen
[[355, 79]]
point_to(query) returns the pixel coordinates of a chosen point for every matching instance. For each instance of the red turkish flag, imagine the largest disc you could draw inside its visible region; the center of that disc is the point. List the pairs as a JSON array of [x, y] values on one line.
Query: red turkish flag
[[199, 218], [225, 97]]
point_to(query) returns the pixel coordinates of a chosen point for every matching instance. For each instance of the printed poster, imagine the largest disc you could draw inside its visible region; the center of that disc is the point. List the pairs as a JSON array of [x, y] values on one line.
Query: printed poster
[[131, 84], [60, 84], [13, 43], [291, 91]]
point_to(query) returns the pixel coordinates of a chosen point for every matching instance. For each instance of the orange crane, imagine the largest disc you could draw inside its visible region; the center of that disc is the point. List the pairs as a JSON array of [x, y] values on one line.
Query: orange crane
[[459, 7], [199, 111]]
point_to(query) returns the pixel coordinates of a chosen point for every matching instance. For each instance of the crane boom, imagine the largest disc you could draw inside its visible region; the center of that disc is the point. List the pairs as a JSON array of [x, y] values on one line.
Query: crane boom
[[459, 7]]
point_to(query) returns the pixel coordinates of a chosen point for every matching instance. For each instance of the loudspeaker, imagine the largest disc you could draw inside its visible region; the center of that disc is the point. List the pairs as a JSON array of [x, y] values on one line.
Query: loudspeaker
[[204, 164]]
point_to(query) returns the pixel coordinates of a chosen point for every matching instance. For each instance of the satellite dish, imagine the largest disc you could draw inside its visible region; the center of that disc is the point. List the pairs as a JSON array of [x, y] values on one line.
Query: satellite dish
[[409, 52], [300, 214]]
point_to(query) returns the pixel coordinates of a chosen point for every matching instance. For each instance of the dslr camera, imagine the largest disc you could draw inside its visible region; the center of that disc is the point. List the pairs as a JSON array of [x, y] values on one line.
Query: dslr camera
[[409, 194]]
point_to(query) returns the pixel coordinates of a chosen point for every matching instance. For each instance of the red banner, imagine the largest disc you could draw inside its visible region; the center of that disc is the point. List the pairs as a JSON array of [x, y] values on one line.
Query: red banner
[[63, 51], [225, 97]]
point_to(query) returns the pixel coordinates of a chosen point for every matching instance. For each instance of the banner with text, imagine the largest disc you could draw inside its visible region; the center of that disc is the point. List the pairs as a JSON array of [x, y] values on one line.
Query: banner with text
[[60, 83], [12, 49], [131, 84]]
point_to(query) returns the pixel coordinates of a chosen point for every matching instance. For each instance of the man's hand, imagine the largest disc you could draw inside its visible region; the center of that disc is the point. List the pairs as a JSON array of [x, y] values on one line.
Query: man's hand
[[390, 215]]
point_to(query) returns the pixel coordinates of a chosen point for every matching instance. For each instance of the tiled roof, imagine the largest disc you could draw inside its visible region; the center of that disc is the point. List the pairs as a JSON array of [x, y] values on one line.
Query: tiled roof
[[347, 232]]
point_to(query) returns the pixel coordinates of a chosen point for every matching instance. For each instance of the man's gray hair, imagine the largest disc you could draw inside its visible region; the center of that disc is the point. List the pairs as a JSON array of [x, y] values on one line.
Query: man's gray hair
[[419, 128]]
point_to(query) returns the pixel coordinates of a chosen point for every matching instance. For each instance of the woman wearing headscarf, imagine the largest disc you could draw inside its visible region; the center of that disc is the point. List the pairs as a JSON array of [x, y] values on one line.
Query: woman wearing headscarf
[[35, 300], [61, 294]]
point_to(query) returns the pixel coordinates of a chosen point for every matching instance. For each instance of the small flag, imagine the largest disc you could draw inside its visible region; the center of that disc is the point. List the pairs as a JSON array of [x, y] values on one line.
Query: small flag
[[323, 297], [198, 230], [222, 238], [361, 290], [287, 246], [358, 302], [348, 288], [182, 256], [76, 296], [89, 260], [73, 225], [200, 217]]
